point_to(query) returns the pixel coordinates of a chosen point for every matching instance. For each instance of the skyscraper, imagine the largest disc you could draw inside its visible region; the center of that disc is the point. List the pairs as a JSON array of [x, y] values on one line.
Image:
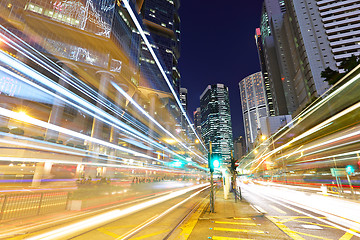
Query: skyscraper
[[275, 88], [309, 49], [183, 97], [253, 102], [197, 121], [341, 22], [264, 71], [296, 49], [163, 23], [216, 120], [239, 148]]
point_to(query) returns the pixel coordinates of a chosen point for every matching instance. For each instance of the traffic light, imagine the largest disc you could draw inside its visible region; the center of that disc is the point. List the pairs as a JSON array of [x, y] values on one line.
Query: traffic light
[[214, 161], [350, 170]]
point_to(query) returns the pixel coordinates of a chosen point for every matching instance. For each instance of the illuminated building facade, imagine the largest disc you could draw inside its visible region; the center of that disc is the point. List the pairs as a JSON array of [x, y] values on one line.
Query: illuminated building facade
[[197, 120], [239, 148], [254, 106], [309, 49], [273, 63], [216, 120], [269, 94], [74, 66], [163, 23]]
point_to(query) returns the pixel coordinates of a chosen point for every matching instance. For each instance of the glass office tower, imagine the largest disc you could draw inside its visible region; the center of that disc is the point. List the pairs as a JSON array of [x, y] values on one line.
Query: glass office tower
[[216, 120]]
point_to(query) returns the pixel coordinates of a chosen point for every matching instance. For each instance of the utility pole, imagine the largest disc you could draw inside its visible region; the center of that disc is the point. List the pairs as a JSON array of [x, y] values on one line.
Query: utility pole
[[233, 175], [212, 202]]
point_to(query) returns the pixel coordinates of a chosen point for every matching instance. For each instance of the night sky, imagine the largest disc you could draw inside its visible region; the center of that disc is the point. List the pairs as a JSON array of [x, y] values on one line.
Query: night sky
[[218, 46]]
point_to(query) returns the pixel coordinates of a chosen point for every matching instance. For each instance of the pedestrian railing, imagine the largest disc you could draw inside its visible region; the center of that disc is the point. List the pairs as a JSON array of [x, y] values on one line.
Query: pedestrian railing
[[14, 206]]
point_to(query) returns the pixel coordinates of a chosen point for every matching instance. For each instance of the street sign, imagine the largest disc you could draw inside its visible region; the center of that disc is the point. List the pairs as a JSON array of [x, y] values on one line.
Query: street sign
[[338, 172]]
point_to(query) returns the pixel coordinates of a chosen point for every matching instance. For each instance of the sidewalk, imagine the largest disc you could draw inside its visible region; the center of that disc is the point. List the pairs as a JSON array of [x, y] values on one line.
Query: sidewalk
[[231, 221]]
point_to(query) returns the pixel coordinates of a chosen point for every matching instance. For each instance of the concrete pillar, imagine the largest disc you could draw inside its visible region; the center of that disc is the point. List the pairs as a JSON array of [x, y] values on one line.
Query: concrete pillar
[[152, 109], [120, 101], [57, 110], [227, 182], [105, 78], [79, 171]]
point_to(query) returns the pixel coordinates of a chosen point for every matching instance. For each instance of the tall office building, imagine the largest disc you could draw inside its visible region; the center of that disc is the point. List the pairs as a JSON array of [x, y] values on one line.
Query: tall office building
[[276, 88], [254, 106], [163, 23], [309, 48], [296, 49], [183, 98], [239, 148], [264, 71], [216, 120], [197, 121], [341, 22], [184, 102]]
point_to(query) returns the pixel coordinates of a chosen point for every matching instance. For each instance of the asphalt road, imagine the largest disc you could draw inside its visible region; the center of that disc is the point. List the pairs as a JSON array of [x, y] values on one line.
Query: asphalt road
[[296, 221]]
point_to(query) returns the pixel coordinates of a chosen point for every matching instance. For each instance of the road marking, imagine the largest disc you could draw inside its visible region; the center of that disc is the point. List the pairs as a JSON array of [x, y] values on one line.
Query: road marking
[[238, 230], [107, 232], [272, 199], [312, 227], [310, 235], [347, 235], [258, 209], [285, 229], [190, 224], [236, 223], [149, 235], [228, 238], [236, 218], [318, 224], [295, 217], [277, 209]]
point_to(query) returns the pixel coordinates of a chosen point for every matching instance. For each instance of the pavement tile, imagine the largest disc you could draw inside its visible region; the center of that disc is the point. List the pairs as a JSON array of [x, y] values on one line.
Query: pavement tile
[[234, 221]]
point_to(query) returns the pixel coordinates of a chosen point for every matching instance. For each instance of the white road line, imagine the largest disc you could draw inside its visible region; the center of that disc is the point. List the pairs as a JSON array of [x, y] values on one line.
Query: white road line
[[272, 199]]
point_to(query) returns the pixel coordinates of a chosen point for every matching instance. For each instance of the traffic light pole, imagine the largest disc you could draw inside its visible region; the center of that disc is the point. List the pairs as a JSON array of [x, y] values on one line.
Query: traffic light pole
[[212, 202]]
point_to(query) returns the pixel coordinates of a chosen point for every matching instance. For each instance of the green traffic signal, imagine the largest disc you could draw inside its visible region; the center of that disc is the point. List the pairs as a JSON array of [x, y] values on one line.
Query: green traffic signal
[[350, 169], [214, 161]]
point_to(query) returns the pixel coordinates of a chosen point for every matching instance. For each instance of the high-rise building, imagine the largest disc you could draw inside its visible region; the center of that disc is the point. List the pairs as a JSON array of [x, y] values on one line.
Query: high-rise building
[[197, 120], [183, 97], [268, 92], [254, 106], [296, 49], [216, 120], [239, 148], [341, 22], [275, 87], [309, 49], [270, 125], [184, 102], [163, 23]]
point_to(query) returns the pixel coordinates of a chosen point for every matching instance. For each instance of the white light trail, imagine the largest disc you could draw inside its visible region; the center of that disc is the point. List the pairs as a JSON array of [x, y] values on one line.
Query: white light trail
[[76, 100], [36, 122], [311, 131], [141, 31], [153, 120], [101, 219]]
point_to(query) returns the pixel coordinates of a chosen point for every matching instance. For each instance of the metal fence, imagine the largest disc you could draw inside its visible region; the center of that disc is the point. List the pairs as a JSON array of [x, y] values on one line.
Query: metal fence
[[31, 204]]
